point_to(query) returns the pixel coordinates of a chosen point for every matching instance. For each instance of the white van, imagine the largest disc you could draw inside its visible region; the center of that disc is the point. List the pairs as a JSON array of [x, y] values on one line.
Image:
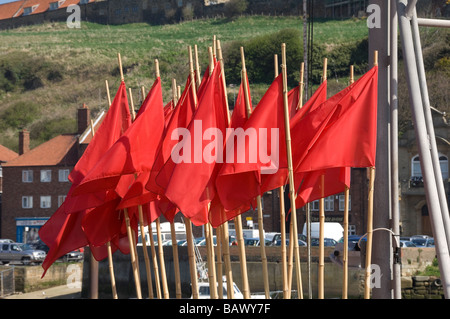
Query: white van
[[331, 230]]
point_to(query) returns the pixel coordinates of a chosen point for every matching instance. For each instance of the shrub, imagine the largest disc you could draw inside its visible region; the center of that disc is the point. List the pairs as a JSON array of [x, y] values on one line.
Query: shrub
[[19, 115], [259, 57], [234, 8]]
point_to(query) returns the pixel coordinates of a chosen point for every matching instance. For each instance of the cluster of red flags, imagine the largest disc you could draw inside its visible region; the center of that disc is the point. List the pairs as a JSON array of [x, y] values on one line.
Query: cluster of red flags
[[190, 158]]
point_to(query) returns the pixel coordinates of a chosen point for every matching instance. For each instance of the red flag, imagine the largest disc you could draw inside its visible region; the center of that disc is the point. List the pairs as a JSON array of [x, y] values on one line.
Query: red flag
[[134, 151], [62, 233], [334, 181], [349, 136], [260, 165], [217, 212], [196, 156]]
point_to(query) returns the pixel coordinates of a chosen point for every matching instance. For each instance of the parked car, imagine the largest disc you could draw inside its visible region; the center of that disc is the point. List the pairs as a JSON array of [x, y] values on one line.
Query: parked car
[[74, 255], [407, 243], [422, 241], [22, 253], [328, 242], [204, 293], [6, 241]]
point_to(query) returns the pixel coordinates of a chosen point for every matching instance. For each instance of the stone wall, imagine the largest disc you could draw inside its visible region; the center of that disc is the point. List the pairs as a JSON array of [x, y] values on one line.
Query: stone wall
[[422, 287]]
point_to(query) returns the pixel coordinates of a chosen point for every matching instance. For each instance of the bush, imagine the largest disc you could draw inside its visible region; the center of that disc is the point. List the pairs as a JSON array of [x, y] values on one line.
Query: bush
[[259, 57], [19, 115], [234, 8]]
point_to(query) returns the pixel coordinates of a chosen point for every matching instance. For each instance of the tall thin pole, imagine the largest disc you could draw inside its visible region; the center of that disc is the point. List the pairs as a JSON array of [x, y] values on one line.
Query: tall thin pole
[[393, 100], [258, 198], [176, 261], [291, 172], [426, 163]]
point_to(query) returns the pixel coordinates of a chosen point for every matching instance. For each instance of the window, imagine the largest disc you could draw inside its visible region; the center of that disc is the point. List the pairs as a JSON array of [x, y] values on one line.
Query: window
[[46, 175], [61, 199], [27, 11], [53, 5], [46, 201], [342, 202], [351, 229], [27, 201], [329, 203], [416, 170], [27, 176], [1, 171], [63, 175], [84, 1]]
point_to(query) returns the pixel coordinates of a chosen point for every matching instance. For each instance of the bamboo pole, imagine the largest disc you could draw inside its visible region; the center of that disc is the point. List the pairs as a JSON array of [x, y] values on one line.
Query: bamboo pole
[[284, 266], [141, 223], [176, 261], [291, 234], [108, 244], [146, 258], [370, 220], [192, 76], [197, 66], [174, 92], [291, 172], [161, 260], [345, 225], [133, 256], [155, 263], [191, 255], [258, 198], [211, 262], [219, 262], [322, 217], [227, 260]]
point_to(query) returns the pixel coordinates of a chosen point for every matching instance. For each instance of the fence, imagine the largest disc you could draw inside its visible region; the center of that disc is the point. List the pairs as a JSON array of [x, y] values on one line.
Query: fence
[[7, 282]]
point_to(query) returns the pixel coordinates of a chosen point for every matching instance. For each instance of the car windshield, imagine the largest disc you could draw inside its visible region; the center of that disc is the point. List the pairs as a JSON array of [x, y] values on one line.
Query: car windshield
[[419, 241], [25, 247]]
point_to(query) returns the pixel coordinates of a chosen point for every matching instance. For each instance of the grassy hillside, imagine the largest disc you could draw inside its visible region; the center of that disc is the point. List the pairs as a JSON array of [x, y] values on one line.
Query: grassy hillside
[[47, 71]]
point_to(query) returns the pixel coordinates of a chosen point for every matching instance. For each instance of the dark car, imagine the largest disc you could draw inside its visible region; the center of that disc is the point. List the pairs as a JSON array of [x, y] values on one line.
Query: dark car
[[74, 255]]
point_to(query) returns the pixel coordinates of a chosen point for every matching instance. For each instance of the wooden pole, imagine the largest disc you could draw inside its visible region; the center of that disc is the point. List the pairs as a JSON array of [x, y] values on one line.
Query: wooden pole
[[322, 218], [191, 255], [258, 198], [161, 260], [174, 92], [219, 262], [370, 220], [227, 260], [120, 66], [192, 76], [133, 256], [291, 172], [146, 258], [108, 244], [211, 262], [197, 66], [176, 261], [345, 225], [155, 263], [284, 267]]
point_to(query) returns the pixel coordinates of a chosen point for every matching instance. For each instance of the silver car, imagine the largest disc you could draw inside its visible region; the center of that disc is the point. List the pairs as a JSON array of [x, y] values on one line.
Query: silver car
[[20, 253]]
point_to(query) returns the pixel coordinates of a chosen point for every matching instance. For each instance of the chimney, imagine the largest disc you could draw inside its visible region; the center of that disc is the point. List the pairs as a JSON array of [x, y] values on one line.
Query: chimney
[[84, 119], [24, 141]]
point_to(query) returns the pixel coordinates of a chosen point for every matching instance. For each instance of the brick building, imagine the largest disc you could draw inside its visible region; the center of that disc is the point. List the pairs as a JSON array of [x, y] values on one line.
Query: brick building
[[36, 182]]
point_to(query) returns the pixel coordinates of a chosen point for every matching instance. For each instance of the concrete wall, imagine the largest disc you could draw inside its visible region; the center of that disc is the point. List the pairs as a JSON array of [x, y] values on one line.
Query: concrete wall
[[125, 280]]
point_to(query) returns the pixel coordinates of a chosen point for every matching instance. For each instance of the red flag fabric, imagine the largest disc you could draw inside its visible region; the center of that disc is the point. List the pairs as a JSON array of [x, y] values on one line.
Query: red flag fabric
[[217, 212], [134, 151], [196, 156], [348, 137], [334, 181], [244, 177], [63, 233]]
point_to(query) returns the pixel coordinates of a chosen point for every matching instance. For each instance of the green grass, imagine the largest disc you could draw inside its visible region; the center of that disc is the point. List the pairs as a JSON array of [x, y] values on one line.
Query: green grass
[[87, 57]]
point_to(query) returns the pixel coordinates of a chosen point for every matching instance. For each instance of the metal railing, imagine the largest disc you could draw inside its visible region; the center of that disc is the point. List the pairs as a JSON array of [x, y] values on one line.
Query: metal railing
[[7, 286]]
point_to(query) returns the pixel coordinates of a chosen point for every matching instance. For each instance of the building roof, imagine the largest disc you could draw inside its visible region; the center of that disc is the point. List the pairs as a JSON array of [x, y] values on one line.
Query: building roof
[[9, 10], [59, 150], [6, 154]]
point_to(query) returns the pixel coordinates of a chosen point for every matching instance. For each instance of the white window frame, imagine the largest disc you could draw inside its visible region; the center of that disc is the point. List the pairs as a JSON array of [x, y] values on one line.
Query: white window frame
[[46, 201], [46, 175], [27, 202], [443, 163], [27, 176], [342, 203], [63, 175], [329, 203], [416, 170]]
